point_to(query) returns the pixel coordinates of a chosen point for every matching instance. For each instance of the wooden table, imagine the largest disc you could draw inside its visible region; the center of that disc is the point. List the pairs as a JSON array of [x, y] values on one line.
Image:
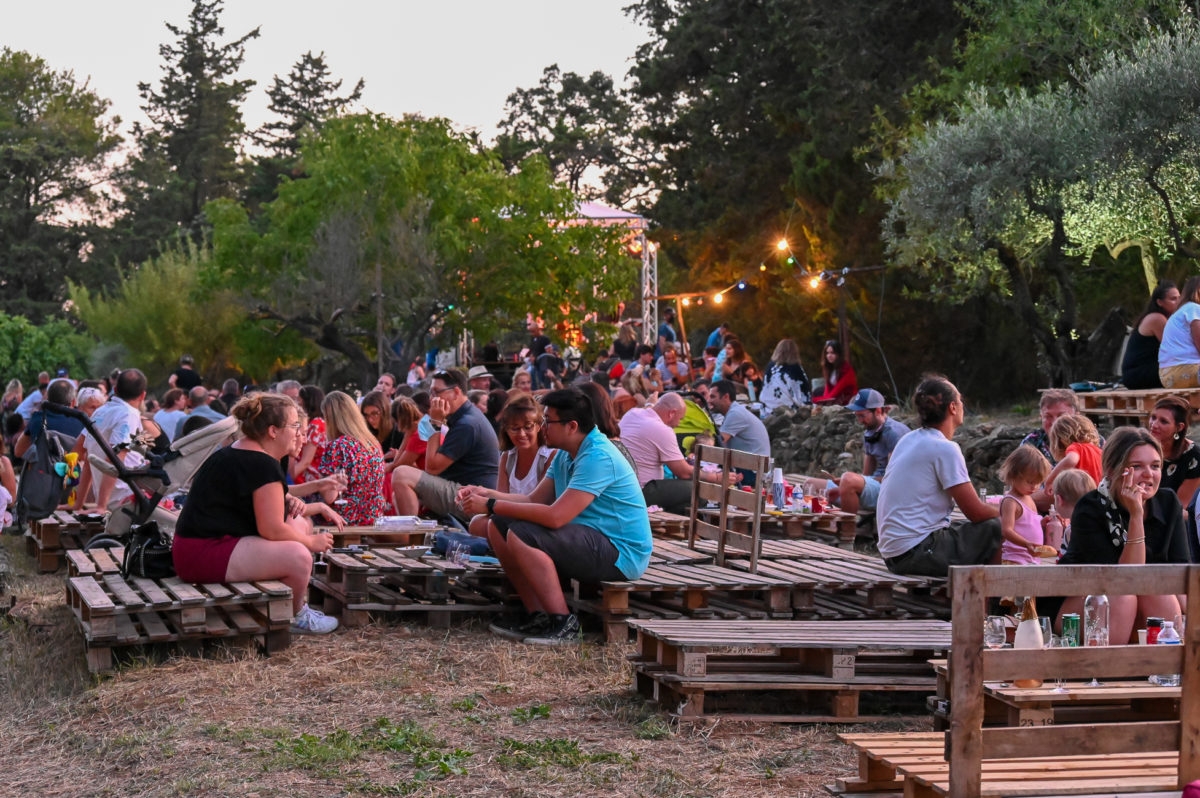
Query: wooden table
[[839, 526], [1112, 701], [351, 535]]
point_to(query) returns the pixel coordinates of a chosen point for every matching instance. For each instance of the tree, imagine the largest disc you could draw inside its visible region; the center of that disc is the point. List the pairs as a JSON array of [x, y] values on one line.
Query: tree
[[410, 223], [1025, 189], [578, 124], [302, 102], [27, 348], [54, 142], [158, 310], [189, 154]]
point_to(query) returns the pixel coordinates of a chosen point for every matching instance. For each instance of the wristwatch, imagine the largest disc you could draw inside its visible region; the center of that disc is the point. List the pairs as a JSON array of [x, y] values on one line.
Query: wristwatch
[[435, 424], [491, 506]]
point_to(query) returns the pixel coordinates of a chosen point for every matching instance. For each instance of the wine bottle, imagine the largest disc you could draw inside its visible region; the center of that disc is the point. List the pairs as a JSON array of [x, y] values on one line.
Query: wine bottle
[[1029, 635]]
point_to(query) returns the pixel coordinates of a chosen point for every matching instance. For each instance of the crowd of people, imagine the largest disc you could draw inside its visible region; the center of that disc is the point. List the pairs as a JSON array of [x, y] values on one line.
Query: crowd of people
[[555, 471]]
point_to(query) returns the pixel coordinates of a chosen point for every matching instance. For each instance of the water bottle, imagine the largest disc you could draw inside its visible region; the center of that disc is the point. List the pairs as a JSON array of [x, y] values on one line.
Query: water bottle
[[1095, 620], [1168, 637]]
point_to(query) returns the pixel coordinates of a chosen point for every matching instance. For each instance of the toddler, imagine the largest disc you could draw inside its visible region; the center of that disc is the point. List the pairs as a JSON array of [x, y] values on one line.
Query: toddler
[[1069, 488], [1020, 525], [1076, 444]]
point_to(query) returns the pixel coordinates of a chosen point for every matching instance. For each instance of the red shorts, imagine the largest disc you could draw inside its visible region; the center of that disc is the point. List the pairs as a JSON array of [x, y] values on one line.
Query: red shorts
[[202, 560]]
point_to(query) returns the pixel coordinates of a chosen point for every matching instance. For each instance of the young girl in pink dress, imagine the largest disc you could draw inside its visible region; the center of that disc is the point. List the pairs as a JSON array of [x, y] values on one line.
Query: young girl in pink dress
[[1020, 525]]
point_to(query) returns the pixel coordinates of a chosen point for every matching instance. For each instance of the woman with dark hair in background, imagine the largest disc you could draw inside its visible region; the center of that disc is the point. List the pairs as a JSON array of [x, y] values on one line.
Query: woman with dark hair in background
[[1139, 366], [841, 383], [377, 411], [1168, 423], [303, 467], [926, 477]]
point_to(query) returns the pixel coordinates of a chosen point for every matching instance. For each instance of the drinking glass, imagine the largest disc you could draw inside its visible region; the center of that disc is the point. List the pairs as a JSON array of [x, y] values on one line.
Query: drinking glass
[[1095, 635], [1059, 682], [1047, 630], [994, 632]]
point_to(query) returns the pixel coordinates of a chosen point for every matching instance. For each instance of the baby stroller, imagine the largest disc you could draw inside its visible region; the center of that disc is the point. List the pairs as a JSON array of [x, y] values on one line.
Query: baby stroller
[[170, 473], [695, 421]]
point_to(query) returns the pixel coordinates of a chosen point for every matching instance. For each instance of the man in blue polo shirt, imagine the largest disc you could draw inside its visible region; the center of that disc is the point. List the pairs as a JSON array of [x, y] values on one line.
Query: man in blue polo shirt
[[585, 520]]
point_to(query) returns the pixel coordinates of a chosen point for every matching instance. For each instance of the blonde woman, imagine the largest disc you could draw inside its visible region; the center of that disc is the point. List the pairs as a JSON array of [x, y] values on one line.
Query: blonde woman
[[354, 451], [785, 383]]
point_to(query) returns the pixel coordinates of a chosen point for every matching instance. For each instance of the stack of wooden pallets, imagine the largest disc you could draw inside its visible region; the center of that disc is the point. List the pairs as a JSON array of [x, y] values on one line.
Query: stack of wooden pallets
[[47, 540]]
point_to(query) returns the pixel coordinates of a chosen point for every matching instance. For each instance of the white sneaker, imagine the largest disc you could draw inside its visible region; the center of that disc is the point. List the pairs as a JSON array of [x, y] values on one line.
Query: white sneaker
[[312, 622]]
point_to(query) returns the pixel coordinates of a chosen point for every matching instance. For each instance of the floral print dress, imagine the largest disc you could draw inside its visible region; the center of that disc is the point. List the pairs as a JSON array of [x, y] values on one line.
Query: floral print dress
[[364, 476]]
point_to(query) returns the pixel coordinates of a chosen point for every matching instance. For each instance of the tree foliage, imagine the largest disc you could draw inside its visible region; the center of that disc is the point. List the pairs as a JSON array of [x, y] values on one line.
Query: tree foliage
[[54, 140], [27, 349], [1024, 189], [420, 217], [158, 310], [188, 155]]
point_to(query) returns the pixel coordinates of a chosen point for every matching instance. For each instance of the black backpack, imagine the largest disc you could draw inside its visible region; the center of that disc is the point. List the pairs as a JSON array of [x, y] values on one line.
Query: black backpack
[[41, 490]]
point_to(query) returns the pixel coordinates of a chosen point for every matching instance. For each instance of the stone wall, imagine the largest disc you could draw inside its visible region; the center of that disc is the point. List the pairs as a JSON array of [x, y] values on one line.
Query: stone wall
[[805, 442]]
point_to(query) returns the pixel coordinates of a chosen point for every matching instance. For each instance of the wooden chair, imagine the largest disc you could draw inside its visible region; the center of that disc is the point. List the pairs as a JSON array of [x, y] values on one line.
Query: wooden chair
[[968, 743], [729, 495]]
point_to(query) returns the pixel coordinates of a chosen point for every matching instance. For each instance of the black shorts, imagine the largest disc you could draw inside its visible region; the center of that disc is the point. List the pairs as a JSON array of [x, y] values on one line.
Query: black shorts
[[963, 543], [578, 551]]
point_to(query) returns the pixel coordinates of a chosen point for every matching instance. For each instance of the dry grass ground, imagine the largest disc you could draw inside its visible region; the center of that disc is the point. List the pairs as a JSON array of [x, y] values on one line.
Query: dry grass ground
[[387, 709]]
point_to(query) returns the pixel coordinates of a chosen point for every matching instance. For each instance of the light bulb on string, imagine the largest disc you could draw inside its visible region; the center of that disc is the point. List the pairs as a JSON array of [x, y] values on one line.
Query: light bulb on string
[[782, 245], [718, 298]]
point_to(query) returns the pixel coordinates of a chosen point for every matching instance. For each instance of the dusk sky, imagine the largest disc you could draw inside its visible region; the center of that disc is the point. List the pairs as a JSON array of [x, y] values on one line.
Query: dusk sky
[[459, 60]]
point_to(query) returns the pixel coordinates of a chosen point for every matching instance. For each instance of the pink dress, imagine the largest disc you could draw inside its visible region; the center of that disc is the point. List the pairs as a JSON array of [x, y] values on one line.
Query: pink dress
[[1028, 526]]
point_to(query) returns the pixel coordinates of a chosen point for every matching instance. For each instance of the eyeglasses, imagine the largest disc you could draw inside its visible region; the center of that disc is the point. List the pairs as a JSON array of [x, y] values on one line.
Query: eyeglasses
[[295, 426], [546, 421], [440, 391], [528, 429]]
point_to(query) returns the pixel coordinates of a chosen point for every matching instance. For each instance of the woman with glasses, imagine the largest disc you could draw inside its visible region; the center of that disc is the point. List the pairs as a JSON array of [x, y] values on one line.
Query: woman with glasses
[[239, 525], [524, 455], [353, 450]]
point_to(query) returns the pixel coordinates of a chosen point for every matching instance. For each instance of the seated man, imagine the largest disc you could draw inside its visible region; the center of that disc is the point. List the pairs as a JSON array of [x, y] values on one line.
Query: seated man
[[468, 455], [741, 429], [585, 520], [647, 433], [60, 392], [853, 492], [119, 423]]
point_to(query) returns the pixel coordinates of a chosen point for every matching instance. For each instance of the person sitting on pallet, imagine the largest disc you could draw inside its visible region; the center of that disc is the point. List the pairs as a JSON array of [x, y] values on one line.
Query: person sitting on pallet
[[468, 455], [585, 520], [648, 434], [240, 525], [927, 476], [854, 492], [119, 422]]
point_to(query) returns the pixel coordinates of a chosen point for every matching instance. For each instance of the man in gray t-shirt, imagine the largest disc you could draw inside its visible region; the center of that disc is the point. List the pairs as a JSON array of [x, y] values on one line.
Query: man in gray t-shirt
[[853, 492], [742, 429]]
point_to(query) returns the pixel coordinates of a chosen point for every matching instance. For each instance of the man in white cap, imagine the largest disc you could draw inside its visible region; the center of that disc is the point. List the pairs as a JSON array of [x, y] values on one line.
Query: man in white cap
[[854, 492], [479, 378]]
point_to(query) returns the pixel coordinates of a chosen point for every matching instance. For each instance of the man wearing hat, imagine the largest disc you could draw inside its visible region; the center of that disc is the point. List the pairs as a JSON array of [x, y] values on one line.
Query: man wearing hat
[[881, 433], [479, 378]]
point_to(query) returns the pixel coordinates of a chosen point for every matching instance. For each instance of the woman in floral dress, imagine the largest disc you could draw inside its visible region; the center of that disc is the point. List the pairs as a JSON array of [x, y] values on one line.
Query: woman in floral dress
[[353, 450]]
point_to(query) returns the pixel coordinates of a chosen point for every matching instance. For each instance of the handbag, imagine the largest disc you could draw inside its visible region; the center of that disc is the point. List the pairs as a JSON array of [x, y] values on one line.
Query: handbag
[[148, 553]]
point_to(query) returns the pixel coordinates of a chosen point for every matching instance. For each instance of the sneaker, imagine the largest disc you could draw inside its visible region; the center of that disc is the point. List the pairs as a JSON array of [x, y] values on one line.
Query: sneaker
[[312, 622], [522, 626], [561, 633]]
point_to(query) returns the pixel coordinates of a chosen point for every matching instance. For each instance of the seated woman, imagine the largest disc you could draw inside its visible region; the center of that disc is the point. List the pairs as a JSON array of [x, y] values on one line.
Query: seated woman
[[303, 466], [377, 410], [1130, 519], [239, 525], [524, 457], [841, 383], [730, 360], [926, 477], [354, 451], [785, 383], [1179, 354], [1139, 366], [1181, 456]]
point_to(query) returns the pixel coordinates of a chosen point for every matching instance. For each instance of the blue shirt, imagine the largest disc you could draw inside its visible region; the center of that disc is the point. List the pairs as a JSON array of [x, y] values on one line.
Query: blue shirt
[[618, 511], [714, 338]]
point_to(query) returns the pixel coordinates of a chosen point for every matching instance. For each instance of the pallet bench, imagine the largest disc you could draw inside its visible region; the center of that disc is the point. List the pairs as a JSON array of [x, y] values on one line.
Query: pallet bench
[[681, 663], [1125, 403], [115, 612], [669, 525], [696, 590], [405, 581], [1142, 756], [48, 539]]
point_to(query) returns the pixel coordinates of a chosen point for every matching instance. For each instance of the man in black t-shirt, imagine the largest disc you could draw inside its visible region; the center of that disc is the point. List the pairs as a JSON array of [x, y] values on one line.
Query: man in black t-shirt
[[468, 455]]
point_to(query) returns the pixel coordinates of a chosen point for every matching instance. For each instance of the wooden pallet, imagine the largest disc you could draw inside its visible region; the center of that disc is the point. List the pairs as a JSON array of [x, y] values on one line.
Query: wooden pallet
[[692, 589], [1132, 404], [383, 580], [832, 526], [48, 539], [681, 663], [677, 552], [114, 612], [669, 525]]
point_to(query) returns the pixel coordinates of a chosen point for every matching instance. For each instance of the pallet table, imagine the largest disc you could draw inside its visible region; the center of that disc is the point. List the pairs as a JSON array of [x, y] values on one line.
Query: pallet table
[[833, 525], [358, 535], [1112, 701], [406, 581], [692, 589], [48, 539], [681, 663], [669, 525], [1127, 404], [115, 612]]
